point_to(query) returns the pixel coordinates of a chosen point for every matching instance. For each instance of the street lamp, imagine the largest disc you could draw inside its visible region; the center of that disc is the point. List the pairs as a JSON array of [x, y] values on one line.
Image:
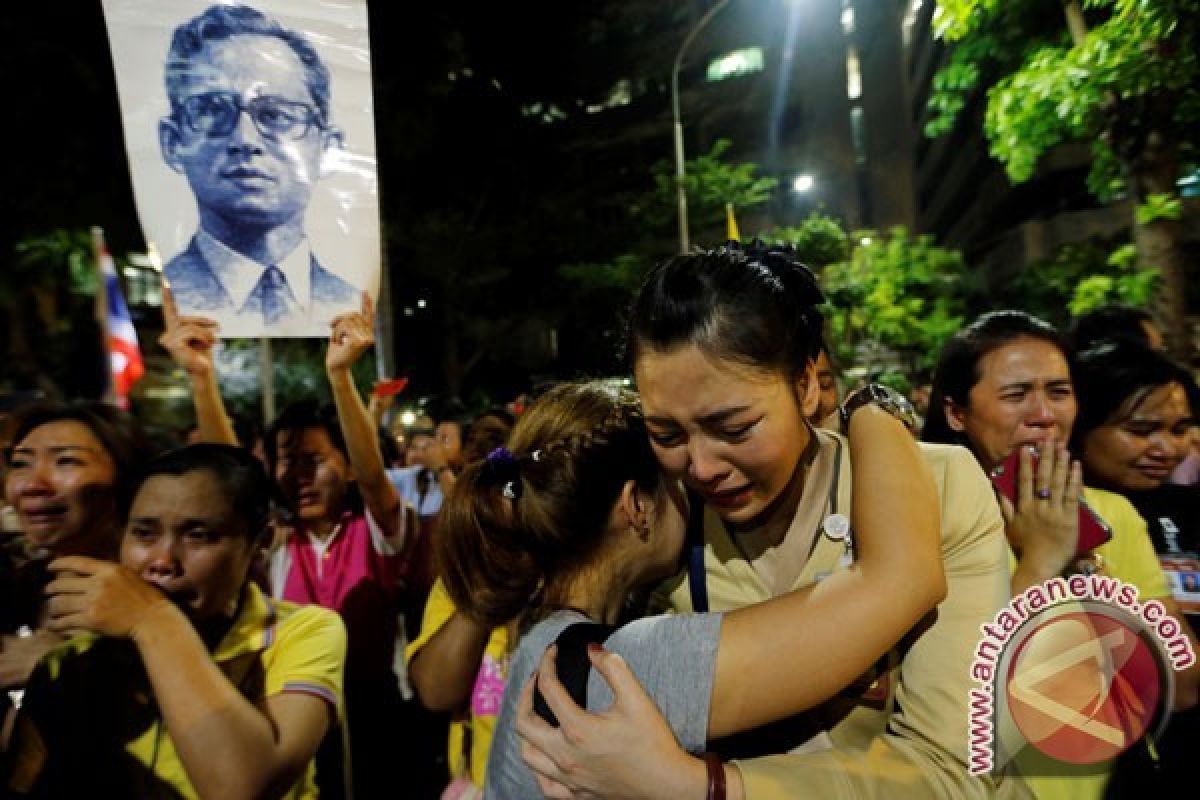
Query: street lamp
[[803, 183], [680, 193]]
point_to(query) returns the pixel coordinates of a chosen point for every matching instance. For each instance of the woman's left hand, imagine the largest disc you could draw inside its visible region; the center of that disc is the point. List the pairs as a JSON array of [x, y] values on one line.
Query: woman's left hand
[[99, 596], [352, 335], [627, 752]]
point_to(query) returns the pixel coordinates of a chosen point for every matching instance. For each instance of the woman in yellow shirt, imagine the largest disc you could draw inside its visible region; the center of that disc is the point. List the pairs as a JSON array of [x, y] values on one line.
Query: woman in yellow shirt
[[186, 679]]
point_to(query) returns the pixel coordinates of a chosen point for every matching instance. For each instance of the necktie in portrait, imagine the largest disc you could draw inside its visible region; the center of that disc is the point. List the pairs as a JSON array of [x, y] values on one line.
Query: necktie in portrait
[[273, 295]]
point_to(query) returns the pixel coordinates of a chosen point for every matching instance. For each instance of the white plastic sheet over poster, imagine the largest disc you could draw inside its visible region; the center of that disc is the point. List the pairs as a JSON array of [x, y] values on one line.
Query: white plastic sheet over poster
[[251, 145]]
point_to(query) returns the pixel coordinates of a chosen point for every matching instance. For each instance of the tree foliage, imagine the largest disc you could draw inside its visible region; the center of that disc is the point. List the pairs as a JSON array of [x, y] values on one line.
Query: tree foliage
[[895, 300], [710, 182], [1134, 75], [1121, 75], [47, 302], [819, 239], [1080, 277], [298, 372]]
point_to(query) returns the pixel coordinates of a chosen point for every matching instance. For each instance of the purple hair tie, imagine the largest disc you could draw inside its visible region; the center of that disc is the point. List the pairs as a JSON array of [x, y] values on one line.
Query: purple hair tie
[[501, 468], [501, 456]]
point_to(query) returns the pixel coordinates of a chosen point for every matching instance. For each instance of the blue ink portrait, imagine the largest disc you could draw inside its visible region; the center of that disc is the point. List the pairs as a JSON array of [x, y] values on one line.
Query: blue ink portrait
[[249, 127]]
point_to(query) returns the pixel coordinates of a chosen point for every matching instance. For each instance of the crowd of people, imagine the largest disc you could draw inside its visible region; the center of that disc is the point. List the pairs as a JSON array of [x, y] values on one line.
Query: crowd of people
[[734, 580]]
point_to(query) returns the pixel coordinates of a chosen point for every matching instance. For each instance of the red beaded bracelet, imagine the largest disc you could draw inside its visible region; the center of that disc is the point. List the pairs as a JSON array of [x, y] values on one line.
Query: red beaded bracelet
[[716, 776]]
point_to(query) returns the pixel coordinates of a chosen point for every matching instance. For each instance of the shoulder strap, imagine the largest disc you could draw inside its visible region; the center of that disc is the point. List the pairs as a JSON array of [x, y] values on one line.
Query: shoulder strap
[[572, 664], [834, 485], [695, 553]]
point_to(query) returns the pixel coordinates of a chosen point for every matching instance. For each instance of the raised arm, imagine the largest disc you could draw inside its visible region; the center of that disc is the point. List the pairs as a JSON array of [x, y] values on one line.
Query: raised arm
[[229, 747], [190, 341], [829, 634], [352, 335]]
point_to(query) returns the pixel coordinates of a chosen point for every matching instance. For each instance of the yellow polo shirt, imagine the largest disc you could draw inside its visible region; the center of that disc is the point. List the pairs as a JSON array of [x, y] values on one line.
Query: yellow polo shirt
[[478, 724], [273, 647]]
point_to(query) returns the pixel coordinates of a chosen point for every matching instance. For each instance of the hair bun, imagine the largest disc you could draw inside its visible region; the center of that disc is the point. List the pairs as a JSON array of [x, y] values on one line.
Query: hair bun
[[780, 259]]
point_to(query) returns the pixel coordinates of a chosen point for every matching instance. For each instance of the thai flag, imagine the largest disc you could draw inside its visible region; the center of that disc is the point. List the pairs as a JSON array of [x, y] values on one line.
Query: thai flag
[[123, 351]]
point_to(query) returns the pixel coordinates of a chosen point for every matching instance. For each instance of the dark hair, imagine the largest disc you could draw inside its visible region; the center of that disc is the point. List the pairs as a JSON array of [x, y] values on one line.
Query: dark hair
[[248, 431], [756, 305], [118, 432], [475, 445], [500, 413], [517, 527], [1114, 378], [309, 415], [1108, 323], [957, 370], [222, 22], [239, 473]]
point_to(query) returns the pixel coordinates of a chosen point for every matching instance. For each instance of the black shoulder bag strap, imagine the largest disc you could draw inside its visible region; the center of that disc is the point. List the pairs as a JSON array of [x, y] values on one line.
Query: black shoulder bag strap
[[695, 553], [572, 664]]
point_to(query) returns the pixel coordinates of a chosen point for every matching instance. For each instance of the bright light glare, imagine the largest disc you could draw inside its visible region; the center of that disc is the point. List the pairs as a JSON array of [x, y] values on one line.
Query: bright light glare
[[408, 418], [421, 303], [739, 62], [803, 183], [866, 241]]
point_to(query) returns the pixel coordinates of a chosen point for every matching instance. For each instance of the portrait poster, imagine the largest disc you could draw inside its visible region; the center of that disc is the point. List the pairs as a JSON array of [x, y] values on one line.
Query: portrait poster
[[250, 134]]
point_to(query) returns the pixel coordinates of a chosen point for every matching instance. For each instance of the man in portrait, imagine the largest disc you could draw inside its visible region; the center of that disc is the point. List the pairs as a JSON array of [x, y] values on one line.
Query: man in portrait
[[249, 126]]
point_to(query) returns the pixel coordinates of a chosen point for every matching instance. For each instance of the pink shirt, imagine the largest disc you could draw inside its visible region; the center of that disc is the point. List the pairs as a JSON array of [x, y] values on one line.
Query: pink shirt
[[355, 572]]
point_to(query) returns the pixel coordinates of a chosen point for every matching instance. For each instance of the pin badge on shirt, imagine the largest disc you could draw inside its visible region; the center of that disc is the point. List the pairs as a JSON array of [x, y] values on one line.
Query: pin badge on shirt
[[837, 528]]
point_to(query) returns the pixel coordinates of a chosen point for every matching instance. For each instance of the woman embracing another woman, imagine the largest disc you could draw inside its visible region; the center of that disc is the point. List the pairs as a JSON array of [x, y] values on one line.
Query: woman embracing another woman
[[858, 566]]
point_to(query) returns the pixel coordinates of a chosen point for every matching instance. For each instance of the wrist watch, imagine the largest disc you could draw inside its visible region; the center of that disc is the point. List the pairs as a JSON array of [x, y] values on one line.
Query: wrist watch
[[877, 394]]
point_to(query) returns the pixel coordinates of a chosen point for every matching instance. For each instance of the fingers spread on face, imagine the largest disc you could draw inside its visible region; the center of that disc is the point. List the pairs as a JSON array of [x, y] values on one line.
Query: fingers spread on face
[[1062, 472], [1074, 488], [1047, 455], [1025, 477]]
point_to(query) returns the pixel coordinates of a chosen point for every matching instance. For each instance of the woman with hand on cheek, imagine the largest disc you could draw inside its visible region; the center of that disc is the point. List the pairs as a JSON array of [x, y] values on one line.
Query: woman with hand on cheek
[[184, 679], [1007, 381], [69, 477]]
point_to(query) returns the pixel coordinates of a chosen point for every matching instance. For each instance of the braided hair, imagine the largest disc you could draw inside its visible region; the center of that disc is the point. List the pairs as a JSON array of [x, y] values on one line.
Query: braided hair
[[520, 523]]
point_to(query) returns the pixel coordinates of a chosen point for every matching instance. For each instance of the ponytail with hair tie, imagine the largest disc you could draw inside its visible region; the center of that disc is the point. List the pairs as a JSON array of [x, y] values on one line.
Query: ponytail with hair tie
[[519, 523]]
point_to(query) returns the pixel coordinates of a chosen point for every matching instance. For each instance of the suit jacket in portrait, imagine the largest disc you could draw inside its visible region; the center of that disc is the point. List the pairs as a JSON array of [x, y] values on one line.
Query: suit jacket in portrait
[[198, 290]]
